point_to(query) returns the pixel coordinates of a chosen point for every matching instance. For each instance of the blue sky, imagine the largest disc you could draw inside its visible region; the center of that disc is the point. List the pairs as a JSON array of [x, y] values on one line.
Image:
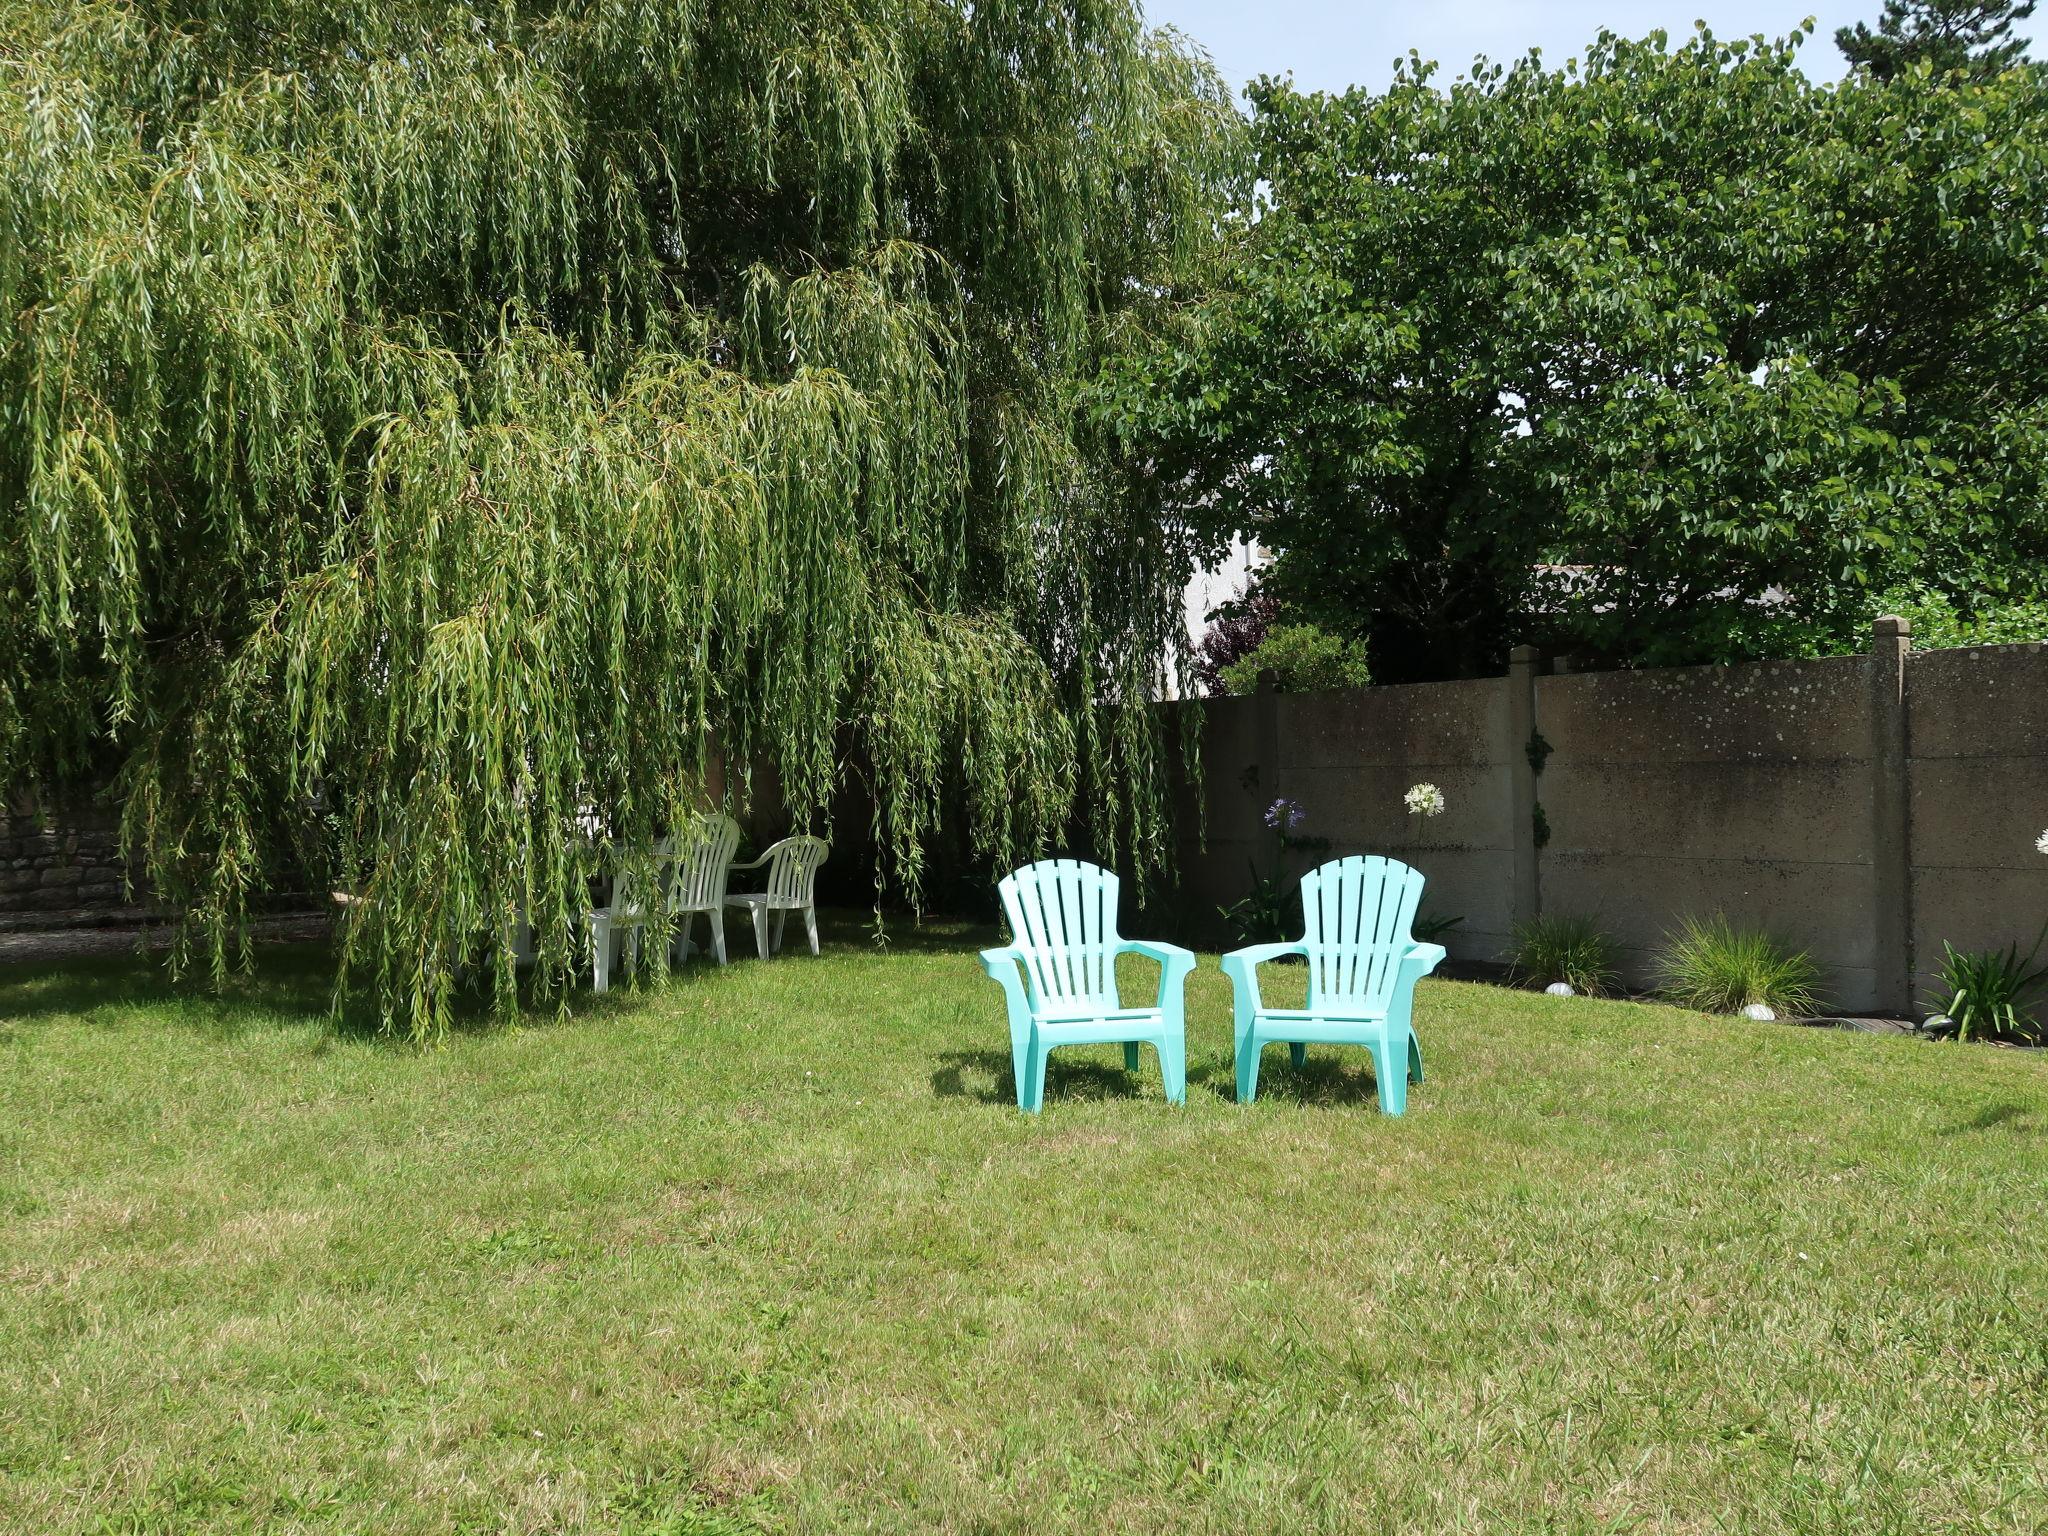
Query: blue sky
[[1330, 44]]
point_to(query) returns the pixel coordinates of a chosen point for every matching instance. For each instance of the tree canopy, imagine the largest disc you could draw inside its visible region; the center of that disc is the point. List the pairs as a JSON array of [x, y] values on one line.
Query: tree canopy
[[1667, 355], [1971, 36], [436, 437]]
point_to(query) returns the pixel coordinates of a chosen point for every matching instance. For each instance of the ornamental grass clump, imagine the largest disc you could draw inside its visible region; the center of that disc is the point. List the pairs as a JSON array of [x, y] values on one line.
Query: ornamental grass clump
[[1573, 951], [1718, 966]]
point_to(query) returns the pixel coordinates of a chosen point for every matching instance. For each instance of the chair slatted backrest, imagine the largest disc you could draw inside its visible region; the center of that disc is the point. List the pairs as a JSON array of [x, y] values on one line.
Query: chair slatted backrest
[[793, 870], [1358, 913], [1062, 916], [702, 867]]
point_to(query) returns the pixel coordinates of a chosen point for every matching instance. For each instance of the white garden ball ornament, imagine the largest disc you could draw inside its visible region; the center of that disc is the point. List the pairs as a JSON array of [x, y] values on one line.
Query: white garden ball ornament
[[1559, 989], [1760, 1012]]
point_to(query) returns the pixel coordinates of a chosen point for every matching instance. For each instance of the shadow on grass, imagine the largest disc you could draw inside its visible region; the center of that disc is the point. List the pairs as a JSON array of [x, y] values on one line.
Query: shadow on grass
[[1066, 1077], [1992, 1117], [1325, 1081], [289, 986], [900, 934]]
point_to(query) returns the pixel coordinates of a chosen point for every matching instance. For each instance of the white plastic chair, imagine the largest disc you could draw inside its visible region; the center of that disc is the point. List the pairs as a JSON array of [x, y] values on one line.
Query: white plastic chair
[[792, 886], [622, 919], [694, 881], [697, 883]]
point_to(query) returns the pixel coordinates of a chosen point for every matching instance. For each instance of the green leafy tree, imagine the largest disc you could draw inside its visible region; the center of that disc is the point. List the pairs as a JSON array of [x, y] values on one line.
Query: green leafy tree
[[1971, 36], [1302, 659], [445, 444], [1665, 356]]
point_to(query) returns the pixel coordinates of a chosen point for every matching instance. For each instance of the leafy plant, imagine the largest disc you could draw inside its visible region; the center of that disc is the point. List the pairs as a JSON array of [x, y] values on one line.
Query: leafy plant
[[1304, 659], [1574, 950], [1409, 393], [1942, 622], [1989, 994], [1236, 629], [462, 417], [1269, 911], [1717, 966], [1430, 928]]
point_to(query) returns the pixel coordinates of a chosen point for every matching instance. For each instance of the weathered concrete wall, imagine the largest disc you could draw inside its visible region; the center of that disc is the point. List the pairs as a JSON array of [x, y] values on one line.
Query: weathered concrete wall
[[1347, 759], [1977, 747], [1865, 807], [1745, 790]]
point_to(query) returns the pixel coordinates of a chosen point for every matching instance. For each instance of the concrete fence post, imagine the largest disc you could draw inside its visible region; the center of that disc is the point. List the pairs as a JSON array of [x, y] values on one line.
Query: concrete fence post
[[1524, 661], [1891, 852]]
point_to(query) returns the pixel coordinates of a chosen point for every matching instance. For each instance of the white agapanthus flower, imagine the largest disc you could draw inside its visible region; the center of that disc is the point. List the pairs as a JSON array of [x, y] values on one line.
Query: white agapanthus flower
[[1426, 800], [2041, 842]]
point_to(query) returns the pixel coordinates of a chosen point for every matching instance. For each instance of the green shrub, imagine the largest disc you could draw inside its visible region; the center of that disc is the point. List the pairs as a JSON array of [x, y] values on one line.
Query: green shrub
[[1717, 967], [1941, 623], [1572, 950], [1988, 994], [1306, 659]]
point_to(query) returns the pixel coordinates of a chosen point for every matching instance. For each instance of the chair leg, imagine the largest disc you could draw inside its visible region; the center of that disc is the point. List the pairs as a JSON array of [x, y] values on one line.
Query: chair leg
[[717, 921], [761, 931], [1130, 1055], [811, 926], [1247, 1069], [1173, 1068], [679, 945], [1414, 1058], [781, 917], [1392, 1086], [1297, 1053], [1031, 1087], [600, 954]]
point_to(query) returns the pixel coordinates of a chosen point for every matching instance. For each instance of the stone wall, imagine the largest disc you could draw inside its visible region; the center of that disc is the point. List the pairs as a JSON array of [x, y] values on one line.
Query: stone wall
[[60, 863], [1866, 808]]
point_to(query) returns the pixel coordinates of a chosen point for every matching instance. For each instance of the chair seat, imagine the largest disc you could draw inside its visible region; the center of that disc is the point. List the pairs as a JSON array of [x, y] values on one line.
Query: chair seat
[[1093, 1024], [752, 899], [1341, 1015]]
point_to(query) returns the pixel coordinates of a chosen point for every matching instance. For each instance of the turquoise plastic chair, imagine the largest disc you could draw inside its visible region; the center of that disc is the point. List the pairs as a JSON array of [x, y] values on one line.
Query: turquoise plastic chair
[[1058, 976], [1362, 968]]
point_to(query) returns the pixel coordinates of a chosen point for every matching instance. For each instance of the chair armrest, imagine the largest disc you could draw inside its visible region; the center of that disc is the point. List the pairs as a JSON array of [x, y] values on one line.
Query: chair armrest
[[1005, 967], [1174, 962], [1242, 967], [1259, 954], [1421, 959], [750, 864]]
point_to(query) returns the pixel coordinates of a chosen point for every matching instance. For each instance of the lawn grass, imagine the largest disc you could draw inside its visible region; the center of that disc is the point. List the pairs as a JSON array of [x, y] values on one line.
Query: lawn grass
[[767, 1249]]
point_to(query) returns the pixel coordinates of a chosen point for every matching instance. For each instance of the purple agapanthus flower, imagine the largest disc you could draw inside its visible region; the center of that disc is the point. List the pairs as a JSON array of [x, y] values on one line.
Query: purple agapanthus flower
[[1283, 815]]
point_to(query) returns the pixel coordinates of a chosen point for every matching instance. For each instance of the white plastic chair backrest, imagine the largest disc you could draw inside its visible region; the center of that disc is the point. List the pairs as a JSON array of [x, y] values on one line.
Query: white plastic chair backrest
[[793, 869], [703, 865], [1358, 912], [1062, 916]]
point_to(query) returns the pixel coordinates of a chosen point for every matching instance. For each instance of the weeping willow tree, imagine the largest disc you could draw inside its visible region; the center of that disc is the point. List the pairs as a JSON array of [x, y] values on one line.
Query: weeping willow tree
[[432, 432]]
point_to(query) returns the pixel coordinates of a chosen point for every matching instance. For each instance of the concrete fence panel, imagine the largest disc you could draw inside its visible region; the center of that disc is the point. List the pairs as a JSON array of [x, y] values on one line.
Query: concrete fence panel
[[1863, 807]]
